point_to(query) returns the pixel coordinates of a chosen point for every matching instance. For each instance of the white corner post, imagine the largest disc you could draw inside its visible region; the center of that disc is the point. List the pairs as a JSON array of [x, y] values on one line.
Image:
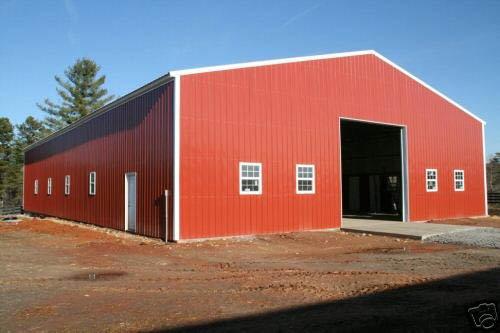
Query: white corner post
[[166, 216], [177, 155], [405, 183], [485, 178]]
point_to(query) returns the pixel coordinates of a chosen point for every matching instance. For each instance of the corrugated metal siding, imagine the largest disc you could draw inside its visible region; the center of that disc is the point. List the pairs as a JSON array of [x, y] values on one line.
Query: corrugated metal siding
[[282, 115], [134, 137]]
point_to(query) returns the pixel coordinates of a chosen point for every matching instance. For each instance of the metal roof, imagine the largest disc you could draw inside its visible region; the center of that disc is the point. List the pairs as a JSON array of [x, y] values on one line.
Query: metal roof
[[117, 102], [321, 57], [177, 73]]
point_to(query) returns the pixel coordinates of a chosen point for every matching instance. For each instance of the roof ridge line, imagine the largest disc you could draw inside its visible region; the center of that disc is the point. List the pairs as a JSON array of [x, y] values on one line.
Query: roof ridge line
[[207, 69]]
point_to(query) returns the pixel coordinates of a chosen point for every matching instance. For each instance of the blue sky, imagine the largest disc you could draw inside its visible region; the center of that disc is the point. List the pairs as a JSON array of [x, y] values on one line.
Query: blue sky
[[452, 45]]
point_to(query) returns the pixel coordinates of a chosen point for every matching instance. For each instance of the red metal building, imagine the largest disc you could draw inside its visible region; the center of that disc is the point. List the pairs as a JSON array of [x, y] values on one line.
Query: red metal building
[[262, 147]]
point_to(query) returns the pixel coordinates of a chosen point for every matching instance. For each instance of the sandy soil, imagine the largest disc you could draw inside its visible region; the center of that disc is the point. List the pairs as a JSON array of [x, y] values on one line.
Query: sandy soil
[[493, 221], [60, 277]]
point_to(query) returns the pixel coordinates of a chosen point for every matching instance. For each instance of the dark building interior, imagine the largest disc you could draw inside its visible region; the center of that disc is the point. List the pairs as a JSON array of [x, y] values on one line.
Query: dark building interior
[[371, 170]]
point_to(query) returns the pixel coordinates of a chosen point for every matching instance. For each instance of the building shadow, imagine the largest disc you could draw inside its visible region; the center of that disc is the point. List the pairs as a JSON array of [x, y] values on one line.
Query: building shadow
[[440, 305]]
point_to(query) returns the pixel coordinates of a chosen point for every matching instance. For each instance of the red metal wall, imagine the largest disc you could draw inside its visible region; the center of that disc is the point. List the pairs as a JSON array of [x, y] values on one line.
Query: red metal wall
[[133, 137], [282, 115]]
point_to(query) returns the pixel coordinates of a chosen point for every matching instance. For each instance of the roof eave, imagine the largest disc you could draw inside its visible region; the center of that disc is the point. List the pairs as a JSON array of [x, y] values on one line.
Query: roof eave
[[122, 100]]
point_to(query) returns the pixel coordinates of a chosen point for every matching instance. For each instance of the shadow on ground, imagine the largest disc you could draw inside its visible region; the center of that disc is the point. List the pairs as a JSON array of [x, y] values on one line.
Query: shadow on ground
[[440, 305]]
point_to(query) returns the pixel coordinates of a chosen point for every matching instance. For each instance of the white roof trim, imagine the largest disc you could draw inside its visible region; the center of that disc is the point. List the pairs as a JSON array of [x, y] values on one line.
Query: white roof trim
[[320, 57], [267, 62], [402, 70]]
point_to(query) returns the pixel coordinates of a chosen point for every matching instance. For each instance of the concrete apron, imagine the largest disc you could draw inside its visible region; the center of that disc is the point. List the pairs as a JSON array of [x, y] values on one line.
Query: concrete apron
[[419, 231]]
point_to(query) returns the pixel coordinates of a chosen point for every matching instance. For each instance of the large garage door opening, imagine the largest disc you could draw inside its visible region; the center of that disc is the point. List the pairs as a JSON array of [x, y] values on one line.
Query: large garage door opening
[[373, 171]]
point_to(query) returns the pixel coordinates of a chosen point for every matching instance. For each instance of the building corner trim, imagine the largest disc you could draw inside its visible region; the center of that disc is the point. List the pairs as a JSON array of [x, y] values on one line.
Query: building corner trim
[[177, 154], [485, 178]]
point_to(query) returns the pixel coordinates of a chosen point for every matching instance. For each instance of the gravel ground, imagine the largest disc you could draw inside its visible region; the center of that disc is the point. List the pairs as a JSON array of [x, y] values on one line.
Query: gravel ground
[[490, 222], [480, 237], [67, 277]]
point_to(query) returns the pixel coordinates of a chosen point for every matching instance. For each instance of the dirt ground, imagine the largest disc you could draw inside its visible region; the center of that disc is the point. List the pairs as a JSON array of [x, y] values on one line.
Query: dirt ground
[[59, 277], [493, 221]]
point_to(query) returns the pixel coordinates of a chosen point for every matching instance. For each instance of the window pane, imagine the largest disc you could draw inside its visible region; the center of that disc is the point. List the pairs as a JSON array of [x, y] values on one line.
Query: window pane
[[250, 185], [304, 178], [250, 178]]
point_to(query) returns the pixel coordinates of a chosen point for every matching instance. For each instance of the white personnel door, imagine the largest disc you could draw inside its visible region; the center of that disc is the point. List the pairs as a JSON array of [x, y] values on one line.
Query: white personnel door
[[130, 201]]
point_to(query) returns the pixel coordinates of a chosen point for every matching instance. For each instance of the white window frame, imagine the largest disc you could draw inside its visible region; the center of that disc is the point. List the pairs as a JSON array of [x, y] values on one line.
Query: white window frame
[[92, 183], [427, 180], [259, 179], [67, 185], [313, 190], [35, 189], [49, 186], [455, 180]]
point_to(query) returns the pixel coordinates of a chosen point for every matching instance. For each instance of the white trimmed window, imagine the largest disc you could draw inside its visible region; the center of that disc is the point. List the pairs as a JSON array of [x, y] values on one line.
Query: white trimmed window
[[35, 190], [67, 184], [305, 179], [458, 176], [250, 178], [49, 186], [431, 180], [92, 183]]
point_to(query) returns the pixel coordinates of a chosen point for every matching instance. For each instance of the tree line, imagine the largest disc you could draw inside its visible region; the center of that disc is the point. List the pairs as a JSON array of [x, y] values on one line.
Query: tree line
[[493, 174], [80, 93]]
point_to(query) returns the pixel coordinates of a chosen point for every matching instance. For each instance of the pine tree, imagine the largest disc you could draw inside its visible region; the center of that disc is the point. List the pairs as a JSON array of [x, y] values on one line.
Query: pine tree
[[81, 93], [493, 173], [27, 133], [13, 183], [30, 131], [6, 140], [12, 145]]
